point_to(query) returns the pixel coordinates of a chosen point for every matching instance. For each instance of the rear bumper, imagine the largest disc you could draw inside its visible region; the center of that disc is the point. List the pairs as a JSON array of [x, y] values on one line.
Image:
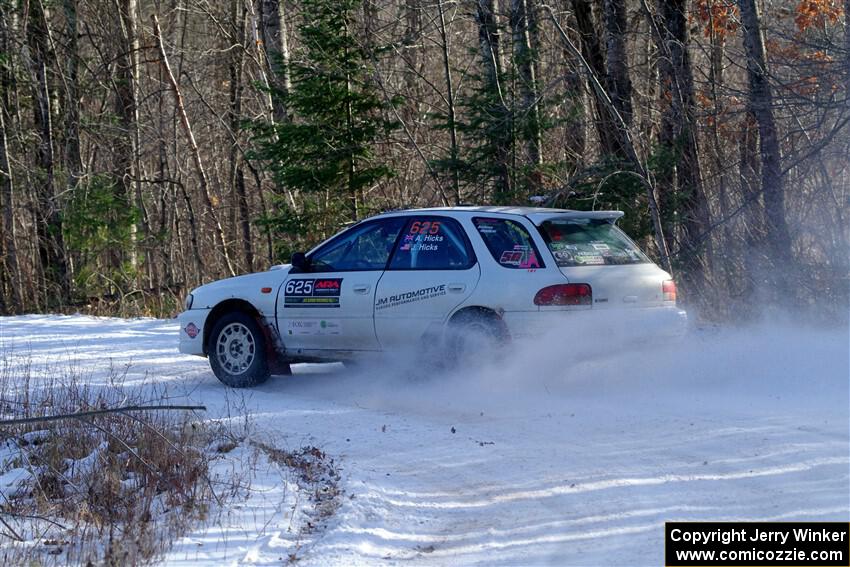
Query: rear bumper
[[646, 323], [192, 331]]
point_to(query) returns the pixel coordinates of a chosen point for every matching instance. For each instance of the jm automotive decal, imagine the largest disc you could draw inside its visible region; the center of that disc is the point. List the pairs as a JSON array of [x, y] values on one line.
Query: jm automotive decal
[[411, 296], [312, 292]]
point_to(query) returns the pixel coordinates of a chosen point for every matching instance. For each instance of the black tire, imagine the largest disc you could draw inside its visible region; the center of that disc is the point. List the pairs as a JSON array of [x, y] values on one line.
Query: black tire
[[237, 351], [473, 337]]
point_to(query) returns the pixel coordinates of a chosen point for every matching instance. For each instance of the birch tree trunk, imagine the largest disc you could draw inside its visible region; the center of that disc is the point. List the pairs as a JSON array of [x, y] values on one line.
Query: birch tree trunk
[[73, 159], [520, 18], [491, 60]]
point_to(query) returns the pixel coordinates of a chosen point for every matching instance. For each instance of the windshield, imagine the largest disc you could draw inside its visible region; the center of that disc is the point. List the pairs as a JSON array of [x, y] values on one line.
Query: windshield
[[589, 242]]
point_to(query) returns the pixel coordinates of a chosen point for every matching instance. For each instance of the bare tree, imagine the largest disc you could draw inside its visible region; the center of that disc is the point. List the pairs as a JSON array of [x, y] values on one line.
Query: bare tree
[[450, 101], [51, 245], [200, 170], [491, 60], [619, 81], [591, 52], [7, 187], [682, 190], [276, 49], [772, 179], [524, 59]]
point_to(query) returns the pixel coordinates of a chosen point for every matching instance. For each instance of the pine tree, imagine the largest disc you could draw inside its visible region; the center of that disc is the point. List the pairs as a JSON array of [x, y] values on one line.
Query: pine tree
[[324, 150]]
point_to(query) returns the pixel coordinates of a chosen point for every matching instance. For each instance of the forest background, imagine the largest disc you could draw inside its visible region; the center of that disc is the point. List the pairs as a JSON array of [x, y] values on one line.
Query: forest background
[[147, 147]]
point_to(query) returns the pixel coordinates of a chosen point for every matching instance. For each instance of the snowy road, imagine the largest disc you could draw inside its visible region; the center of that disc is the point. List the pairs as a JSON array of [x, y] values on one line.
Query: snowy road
[[541, 459]]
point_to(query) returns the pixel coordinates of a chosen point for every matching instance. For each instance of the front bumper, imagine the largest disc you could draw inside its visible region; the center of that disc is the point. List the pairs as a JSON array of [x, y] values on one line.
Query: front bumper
[[191, 331], [646, 323]]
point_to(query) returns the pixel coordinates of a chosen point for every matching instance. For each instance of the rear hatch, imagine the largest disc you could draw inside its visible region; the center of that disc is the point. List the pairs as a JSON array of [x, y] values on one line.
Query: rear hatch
[[594, 251]]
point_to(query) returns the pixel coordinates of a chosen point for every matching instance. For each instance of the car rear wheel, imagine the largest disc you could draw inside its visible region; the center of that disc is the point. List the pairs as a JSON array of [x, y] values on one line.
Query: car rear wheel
[[237, 351], [474, 337]]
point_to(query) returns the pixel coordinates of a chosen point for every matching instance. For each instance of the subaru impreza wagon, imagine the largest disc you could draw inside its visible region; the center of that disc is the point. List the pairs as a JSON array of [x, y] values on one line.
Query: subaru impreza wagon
[[446, 279]]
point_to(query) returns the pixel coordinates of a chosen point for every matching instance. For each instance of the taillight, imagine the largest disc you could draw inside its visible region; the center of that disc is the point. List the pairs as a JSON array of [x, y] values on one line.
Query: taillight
[[668, 289], [565, 294]]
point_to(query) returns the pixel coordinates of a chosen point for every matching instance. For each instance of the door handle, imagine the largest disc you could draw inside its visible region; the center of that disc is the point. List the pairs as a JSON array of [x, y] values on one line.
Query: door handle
[[457, 287], [361, 288], [630, 299]]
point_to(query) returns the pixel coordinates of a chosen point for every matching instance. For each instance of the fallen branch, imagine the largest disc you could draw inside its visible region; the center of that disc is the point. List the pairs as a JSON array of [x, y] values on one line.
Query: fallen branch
[[85, 414]]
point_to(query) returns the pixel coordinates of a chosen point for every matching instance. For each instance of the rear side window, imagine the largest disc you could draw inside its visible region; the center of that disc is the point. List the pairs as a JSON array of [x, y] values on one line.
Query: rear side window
[[509, 243], [432, 243], [589, 242]]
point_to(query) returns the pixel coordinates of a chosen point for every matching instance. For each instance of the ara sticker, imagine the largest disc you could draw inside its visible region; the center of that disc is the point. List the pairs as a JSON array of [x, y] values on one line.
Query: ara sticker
[[323, 292], [601, 246], [192, 330]]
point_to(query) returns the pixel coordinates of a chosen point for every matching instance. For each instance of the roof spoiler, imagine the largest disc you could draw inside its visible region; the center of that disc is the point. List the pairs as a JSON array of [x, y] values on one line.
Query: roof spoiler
[[610, 216]]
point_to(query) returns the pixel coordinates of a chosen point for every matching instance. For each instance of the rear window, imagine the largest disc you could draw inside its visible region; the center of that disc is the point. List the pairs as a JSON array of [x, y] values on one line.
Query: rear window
[[589, 242], [509, 243]]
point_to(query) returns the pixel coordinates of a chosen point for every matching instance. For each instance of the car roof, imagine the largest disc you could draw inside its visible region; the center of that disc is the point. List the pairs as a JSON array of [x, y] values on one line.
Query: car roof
[[537, 215]]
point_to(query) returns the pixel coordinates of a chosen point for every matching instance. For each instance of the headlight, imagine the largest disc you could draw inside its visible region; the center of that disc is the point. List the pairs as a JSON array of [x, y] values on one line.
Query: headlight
[[187, 304]]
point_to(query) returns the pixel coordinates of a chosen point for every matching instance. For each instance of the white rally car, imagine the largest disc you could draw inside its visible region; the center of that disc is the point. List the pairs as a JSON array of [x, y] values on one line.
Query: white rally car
[[445, 278]]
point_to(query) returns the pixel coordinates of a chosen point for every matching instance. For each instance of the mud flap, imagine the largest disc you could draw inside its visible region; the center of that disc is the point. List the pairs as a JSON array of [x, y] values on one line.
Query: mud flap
[[278, 365]]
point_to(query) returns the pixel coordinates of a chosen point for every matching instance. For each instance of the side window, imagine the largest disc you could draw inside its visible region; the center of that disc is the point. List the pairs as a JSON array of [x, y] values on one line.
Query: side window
[[509, 243], [365, 247], [432, 243]]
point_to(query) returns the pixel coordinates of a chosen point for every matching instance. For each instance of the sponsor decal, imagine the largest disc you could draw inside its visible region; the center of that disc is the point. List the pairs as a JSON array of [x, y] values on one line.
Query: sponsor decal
[[589, 259], [410, 297], [601, 246], [192, 330], [512, 257], [321, 292], [563, 255], [522, 256], [313, 327]]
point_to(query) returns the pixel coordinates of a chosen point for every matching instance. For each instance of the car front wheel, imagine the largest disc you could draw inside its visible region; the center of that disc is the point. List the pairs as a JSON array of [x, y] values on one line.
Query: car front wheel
[[237, 351]]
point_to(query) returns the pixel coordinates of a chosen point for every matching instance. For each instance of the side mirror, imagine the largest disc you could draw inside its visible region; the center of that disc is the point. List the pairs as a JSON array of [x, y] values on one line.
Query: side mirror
[[299, 262]]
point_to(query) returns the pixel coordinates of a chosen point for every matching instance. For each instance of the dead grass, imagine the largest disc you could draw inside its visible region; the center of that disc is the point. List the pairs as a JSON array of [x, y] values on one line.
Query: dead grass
[[112, 489]]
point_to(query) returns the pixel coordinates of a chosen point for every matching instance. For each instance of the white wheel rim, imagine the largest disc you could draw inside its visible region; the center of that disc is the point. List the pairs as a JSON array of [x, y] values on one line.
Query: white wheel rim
[[235, 348]]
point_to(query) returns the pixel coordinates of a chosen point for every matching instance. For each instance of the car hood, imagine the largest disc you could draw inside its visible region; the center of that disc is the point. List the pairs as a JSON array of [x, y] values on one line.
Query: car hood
[[239, 286]]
